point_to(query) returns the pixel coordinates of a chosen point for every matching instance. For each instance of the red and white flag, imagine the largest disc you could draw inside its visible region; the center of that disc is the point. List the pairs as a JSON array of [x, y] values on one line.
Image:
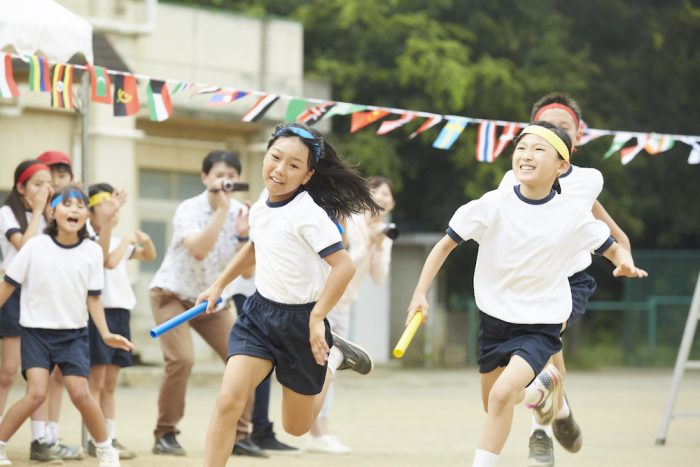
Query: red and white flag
[[427, 124], [509, 132], [260, 107], [8, 87], [388, 126]]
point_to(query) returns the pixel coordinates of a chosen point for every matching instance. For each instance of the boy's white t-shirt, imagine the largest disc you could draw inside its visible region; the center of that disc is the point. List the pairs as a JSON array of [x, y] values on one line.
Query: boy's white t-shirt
[[526, 249], [10, 226], [579, 184], [291, 239], [117, 291], [56, 281]]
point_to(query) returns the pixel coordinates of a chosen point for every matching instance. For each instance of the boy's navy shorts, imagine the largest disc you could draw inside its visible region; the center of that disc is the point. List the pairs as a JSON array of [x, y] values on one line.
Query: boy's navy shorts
[[100, 353], [582, 287], [9, 316], [500, 340], [46, 348], [280, 333]]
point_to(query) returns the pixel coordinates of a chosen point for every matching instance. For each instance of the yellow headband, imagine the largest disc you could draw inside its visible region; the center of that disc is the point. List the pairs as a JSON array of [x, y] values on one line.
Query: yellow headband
[[551, 137], [98, 198]]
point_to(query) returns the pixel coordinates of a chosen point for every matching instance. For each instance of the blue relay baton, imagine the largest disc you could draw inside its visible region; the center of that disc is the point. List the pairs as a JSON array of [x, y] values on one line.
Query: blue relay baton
[[181, 318]]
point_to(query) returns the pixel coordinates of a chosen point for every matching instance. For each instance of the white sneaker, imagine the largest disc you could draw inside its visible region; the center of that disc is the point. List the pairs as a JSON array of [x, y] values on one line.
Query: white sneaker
[[327, 444], [3, 456], [108, 457], [549, 384]]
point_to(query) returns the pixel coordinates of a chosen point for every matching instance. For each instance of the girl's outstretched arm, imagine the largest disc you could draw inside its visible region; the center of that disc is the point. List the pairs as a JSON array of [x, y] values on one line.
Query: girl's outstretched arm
[[242, 261], [97, 313], [432, 266], [618, 234], [622, 258]]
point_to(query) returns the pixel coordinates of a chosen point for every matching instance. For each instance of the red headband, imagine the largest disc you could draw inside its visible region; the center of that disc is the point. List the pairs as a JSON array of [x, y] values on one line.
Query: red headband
[[31, 170], [557, 106]]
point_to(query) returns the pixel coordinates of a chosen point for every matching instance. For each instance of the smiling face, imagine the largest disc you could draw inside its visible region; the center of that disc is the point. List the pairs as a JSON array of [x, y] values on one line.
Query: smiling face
[[286, 168], [32, 186], [383, 197], [564, 120], [536, 163], [70, 215]]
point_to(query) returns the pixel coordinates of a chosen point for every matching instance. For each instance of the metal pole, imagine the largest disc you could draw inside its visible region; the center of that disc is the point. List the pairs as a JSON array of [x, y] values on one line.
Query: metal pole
[[84, 124]]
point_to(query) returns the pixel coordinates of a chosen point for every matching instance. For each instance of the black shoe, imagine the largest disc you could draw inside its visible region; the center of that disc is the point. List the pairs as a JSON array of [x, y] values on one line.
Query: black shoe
[[167, 444], [246, 447], [354, 357], [265, 439]]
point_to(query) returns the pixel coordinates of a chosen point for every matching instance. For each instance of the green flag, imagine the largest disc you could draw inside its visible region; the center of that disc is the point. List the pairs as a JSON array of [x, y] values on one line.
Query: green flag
[[294, 108]]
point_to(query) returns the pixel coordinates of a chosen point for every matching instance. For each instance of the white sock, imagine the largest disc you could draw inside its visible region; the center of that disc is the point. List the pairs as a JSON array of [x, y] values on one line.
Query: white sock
[[111, 428], [335, 358], [38, 430], [104, 444], [536, 426], [484, 458], [51, 432], [564, 411]]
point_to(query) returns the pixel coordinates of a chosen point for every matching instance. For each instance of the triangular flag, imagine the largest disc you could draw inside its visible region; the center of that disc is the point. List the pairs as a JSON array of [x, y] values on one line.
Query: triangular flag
[[619, 140], [390, 125], [100, 85], [450, 132], [590, 135], [629, 153], [295, 107], [225, 97], [694, 156], [159, 106], [180, 87], [362, 119], [208, 89], [126, 96], [8, 87], [343, 108], [658, 143], [509, 132], [62, 87], [260, 107], [315, 113], [427, 124], [39, 74], [486, 141]]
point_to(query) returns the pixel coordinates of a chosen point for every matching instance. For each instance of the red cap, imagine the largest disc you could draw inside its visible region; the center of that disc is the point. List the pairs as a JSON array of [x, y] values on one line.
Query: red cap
[[55, 157]]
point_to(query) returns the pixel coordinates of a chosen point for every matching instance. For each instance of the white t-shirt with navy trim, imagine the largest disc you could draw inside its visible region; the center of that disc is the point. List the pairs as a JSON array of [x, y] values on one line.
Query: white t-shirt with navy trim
[[526, 249], [8, 227], [56, 281], [117, 291], [579, 184], [291, 239]]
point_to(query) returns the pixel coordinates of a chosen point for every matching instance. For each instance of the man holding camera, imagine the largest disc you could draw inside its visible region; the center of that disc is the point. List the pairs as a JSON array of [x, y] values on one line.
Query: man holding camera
[[208, 229]]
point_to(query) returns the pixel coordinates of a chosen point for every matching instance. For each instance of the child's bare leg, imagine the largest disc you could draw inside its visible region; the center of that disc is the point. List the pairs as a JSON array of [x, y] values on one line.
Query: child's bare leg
[[107, 403], [241, 376], [37, 388], [558, 361], [55, 394], [79, 393], [96, 380], [299, 411], [8, 368], [507, 391], [487, 381]]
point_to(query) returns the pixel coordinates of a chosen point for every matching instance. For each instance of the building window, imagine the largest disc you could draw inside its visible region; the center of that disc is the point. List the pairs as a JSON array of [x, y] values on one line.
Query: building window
[[161, 184]]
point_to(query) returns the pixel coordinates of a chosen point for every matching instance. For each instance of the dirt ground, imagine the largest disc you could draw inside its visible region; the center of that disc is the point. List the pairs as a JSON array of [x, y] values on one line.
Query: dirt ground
[[399, 417]]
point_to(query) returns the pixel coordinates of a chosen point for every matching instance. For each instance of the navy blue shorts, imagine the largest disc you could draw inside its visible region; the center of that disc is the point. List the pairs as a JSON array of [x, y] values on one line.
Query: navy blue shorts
[[100, 353], [9, 316], [46, 348], [280, 333], [500, 340], [582, 287]]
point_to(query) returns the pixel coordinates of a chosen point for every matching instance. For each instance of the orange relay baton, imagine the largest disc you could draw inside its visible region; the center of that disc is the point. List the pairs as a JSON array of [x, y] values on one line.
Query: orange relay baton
[[407, 335]]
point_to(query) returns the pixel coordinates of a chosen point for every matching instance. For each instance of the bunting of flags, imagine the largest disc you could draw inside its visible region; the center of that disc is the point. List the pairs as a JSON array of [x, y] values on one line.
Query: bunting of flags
[[124, 98]]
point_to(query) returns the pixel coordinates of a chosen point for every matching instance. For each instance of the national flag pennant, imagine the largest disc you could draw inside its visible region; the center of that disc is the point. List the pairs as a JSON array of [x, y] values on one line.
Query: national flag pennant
[[8, 87], [314, 114], [100, 85], [391, 125], [590, 135], [658, 143], [225, 97], [260, 107], [294, 108], [39, 74], [126, 96], [62, 87], [362, 119], [450, 132], [427, 124], [180, 87], [209, 89], [343, 108], [509, 132], [629, 153], [486, 141], [159, 105], [619, 140], [694, 156]]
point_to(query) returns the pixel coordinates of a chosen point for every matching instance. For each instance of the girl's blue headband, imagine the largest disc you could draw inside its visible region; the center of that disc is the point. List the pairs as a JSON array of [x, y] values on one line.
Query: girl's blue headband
[[305, 134], [71, 194]]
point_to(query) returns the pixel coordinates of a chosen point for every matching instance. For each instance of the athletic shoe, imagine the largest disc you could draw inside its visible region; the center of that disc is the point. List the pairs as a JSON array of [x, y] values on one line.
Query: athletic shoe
[[567, 432], [548, 383], [124, 453], [66, 452], [354, 357], [167, 444], [267, 441], [108, 457], [541, 450], [3, 456], [246, 447], [41, 452], [327, 444]]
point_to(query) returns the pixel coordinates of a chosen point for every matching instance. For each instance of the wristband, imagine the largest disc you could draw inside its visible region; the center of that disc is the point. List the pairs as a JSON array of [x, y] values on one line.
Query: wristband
[[242, 239]]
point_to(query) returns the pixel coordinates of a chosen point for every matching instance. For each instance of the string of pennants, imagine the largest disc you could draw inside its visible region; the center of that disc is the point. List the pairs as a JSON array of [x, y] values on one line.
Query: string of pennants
[[120, 90]]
